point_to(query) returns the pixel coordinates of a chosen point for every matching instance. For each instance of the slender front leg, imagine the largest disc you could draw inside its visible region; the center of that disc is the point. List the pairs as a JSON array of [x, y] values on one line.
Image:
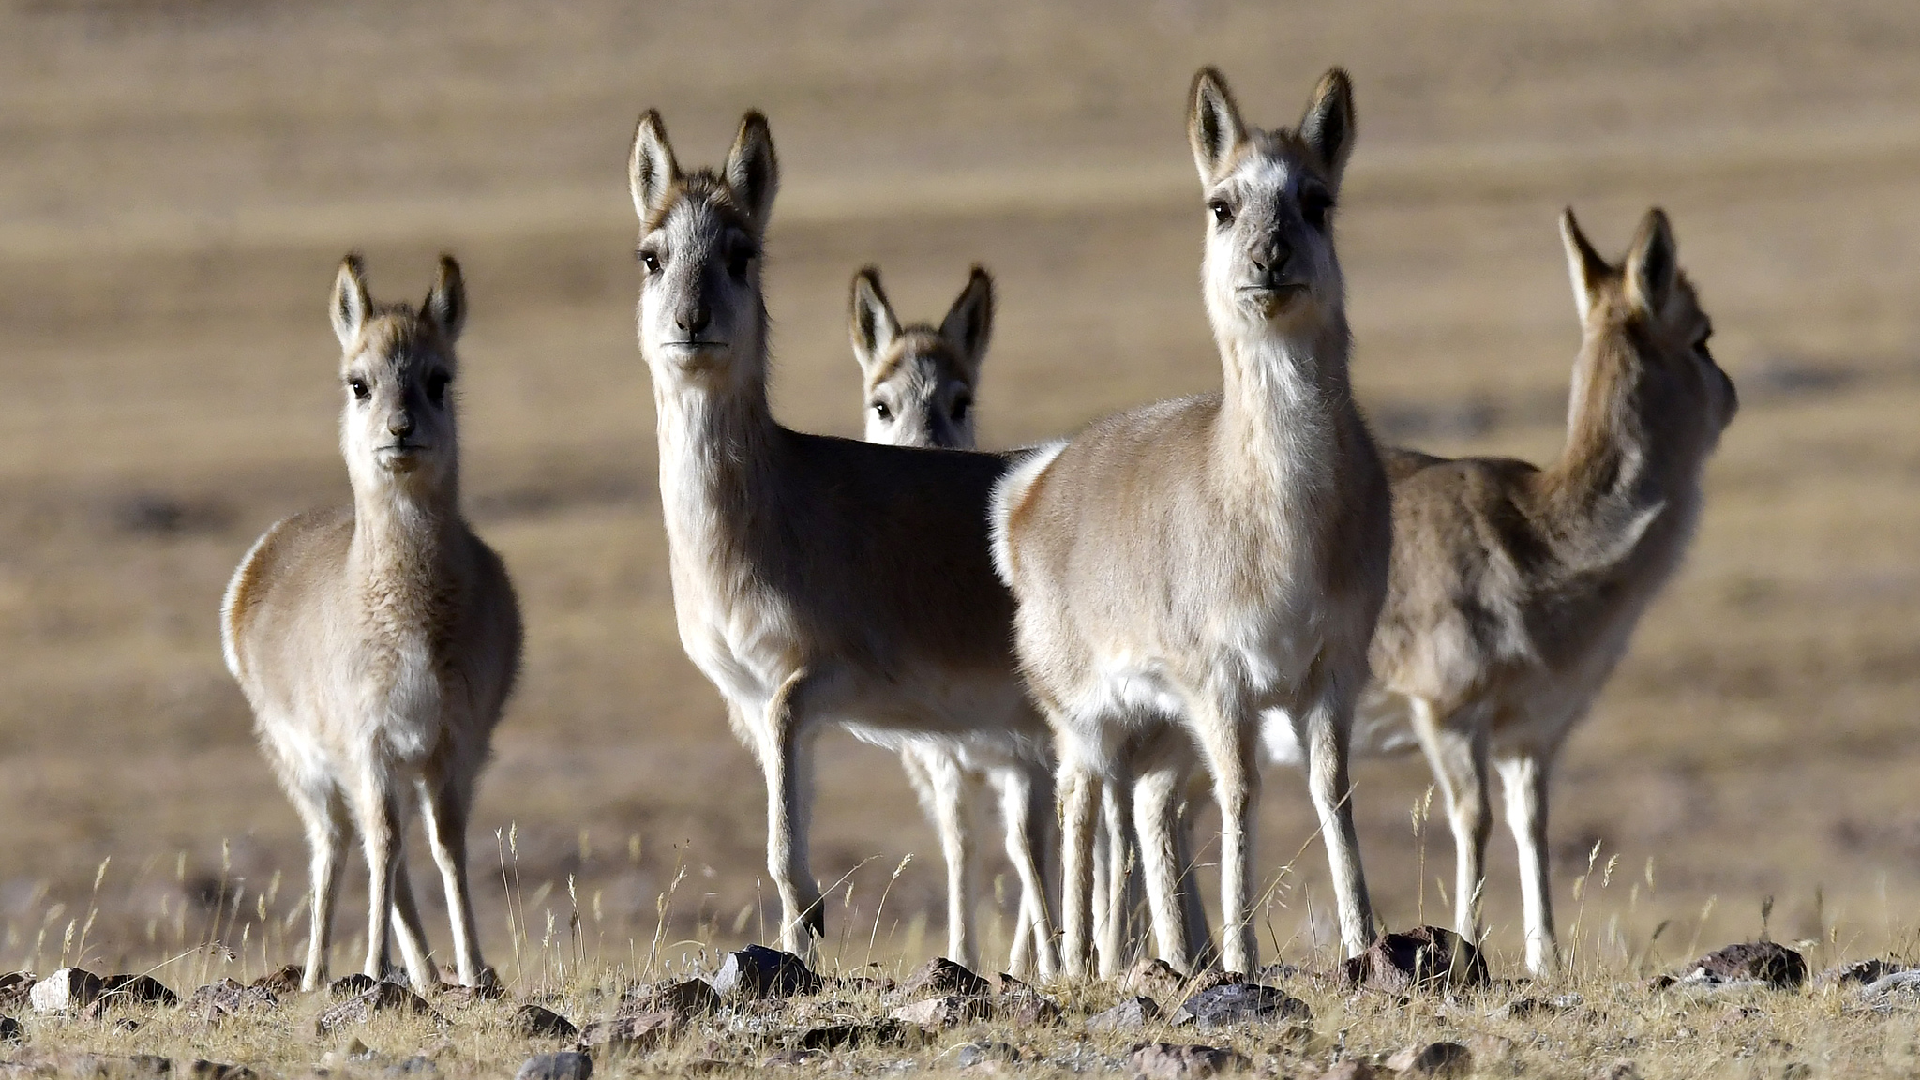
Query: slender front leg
[[1226, 737], [379, 815], [1324, 734], [784, 759], [412, 936], [1524, 780], [445, 805], [328, 829], [1156, 796], [1077, 786], [1024, 812], [1459, 760], [941, 785]]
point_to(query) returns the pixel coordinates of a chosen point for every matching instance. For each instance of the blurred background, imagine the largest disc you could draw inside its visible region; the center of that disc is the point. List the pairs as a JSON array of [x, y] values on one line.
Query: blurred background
[[178, 179]]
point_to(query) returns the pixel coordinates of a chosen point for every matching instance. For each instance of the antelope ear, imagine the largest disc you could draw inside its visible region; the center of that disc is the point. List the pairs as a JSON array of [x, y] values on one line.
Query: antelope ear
[[350, 305], [1328, 125], [447, 301], [970, 321], [753, 172], [1213, 123], [1585, 267], [651, 169], [1652, 263], [870, 321]]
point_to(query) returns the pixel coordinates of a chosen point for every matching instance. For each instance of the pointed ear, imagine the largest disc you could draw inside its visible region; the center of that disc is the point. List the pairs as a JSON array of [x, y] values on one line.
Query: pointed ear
[[651, 169], [350, 305], [970, 321], [1328, 125], [1652, 263], [870, 321], [1585, 267], [753, 173], [1213, 123], [446, 302]]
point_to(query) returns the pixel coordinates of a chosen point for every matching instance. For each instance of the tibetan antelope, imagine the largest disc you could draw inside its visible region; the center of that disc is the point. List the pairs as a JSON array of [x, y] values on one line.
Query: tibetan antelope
[[1515, 589], [1218, 562], [377, 643], [918, 386], [814, 579]]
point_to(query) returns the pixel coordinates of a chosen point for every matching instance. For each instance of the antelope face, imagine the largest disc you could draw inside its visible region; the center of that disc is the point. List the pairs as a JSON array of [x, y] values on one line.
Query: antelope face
[[396, 371], [701, 313], [919, 381], [1270, 198]]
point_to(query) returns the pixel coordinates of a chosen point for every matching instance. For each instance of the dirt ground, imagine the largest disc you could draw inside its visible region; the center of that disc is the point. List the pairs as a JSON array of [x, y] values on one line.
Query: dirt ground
[[178, 179]]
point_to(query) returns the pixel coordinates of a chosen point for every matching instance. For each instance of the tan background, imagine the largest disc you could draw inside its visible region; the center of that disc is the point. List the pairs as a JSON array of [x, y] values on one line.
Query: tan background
[[178, 179]]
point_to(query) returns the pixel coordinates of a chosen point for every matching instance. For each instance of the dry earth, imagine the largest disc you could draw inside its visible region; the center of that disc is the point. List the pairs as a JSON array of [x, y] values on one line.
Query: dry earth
[[178, 179]]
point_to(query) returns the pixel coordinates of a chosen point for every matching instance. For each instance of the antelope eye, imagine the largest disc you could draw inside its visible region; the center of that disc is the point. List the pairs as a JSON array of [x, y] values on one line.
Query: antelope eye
[[1315, 205], [738, 258], [437, 386], [881, 411], [961, 405], [649, 260], [359, 388], [1222, 213]]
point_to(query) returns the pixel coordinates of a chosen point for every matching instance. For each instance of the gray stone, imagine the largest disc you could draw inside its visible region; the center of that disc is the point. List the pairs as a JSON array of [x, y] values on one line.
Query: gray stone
[[888, 1033], [1173, 1061], [1767, 962], [66, 990], [1423, 958], [15, 986], [1237, 1003], [562, 1066], [384, 997], [1860, 972], [1440, 1059], [281, 981], [1152, 978], [632, 1033], [1135, 1012], [941, 976], [757, 971], [948, 1010], [688, 997], [534, 1022], [350, 986], [218, 1000]]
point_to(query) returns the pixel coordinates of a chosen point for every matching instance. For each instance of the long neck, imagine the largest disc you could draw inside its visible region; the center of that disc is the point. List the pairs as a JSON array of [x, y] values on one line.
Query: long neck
[[1616, 493], [405, 534], [717, 435], [1286, 404]]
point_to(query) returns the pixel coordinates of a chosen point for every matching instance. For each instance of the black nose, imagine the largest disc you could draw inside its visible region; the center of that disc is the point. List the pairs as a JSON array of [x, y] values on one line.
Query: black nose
[[400, 425], [692, 320]]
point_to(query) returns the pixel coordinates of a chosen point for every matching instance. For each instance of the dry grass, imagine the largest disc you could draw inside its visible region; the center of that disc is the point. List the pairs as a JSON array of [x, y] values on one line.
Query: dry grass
[[181, 177]]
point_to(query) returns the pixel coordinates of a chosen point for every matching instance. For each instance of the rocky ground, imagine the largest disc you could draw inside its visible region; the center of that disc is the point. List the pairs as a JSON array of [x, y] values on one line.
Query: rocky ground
[[1418, 1004]]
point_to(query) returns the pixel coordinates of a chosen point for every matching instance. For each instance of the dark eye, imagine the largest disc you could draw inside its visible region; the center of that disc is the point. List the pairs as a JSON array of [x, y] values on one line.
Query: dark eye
[[649, 260], [738, 257], [880, 410], [1315, 205], [1222, 213], [437, 386], [960, 406], [359, 388]]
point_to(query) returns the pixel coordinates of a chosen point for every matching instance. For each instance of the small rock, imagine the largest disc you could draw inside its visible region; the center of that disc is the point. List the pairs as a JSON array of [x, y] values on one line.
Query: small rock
[[15, 986], [118, 991], [203, 1069], [1443, 1059], [1887, 984], [1860, 972], [688, 997], [757, 971], [1135, 1012], [381, 998], [563, 1066], [1350, 1069], [1152, 978], [1031, 1009], [1767, 962], [941, 976], [946, 1011], [1234, 1003], [66, 990], [350, 986], [463, 996], [1172, 1061], [888, 1032], [217, 1000], [1423, 958], [281, 982], [631, 1033], [534, 1022], [10, 1030], [986, 1053]]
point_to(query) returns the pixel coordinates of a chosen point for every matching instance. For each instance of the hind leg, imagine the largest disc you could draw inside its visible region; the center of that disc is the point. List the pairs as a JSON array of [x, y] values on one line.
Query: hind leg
[[324, 814]]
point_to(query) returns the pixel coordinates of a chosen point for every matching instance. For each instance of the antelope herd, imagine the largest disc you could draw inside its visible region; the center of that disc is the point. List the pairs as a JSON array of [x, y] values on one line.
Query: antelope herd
[[1112, 626]]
